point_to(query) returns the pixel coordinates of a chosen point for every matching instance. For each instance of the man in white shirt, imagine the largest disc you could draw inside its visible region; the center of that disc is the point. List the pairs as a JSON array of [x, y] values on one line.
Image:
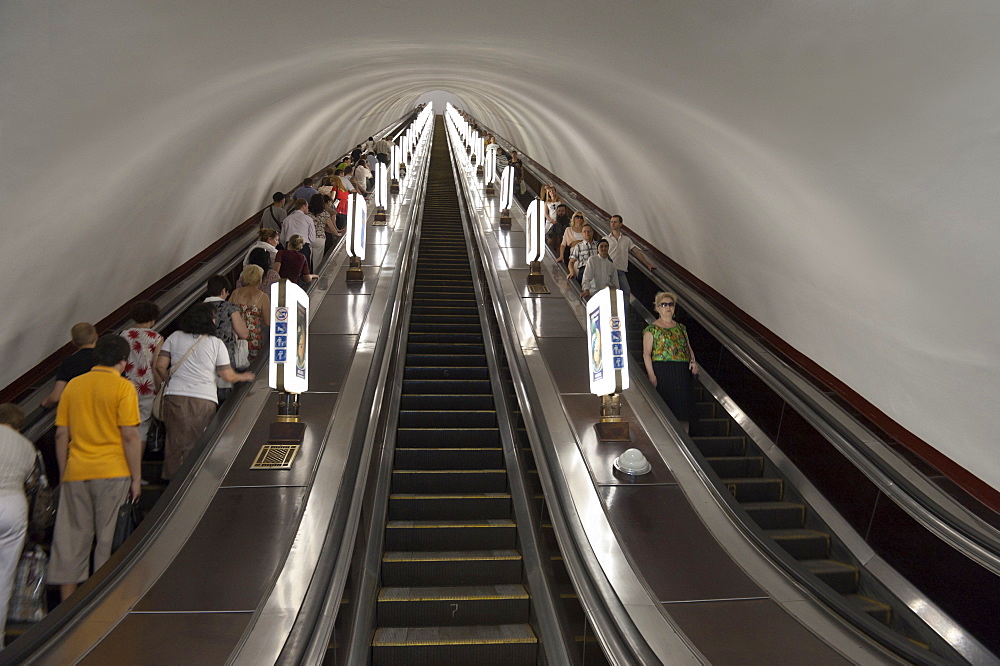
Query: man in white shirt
[[599, 272], [362, 174], [620, 246], [299, 223], [383, 149]]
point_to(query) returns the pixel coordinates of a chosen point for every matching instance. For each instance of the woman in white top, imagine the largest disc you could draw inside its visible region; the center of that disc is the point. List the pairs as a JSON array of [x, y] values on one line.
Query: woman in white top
[[190, 398], [17, 460], [267, 239], [552, 200]]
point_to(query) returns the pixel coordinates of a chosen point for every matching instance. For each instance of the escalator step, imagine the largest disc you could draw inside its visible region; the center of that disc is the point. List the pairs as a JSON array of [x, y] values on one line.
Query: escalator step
[[714, 447], [737, 466], [776, 515], [410, 400], [802, 544], [419, 388], [455, 506], [437, 372], [464, 437], [445, 360], [451, 458], [706, 410], [755, 489], [716, 427], [878, 610], [840, 576], [447, 345], [450, 418], [509, 644], [439, 337], [490, 534], [486, 567], [467, 605], [438, 326], [449, 480]]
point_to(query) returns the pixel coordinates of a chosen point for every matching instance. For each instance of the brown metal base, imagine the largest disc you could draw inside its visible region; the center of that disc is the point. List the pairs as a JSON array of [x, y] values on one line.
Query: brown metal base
[[613, 431], [394, 186], [354, 272], [479, 171], [379, 220], [505, 219], [490, 190], [536, 279]]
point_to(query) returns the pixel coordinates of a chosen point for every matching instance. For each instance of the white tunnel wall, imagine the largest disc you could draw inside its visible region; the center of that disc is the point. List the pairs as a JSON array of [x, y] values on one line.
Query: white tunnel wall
[[832, 168]]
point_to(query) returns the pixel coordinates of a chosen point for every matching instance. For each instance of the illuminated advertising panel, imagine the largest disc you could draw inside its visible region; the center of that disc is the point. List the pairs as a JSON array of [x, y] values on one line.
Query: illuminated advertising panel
[[357, 211], [535, 231], [381, 186], [491, 164], [607, 350], [506, 187], [288, 358]]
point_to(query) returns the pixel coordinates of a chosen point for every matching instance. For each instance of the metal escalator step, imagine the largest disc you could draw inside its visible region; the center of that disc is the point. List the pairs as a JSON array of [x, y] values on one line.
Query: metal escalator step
[[448, 418], [737, 466], [802, 544], [776, 515], [706, 410], [459, 605], [446, 344], [449, 480], [476, 635], [878, 610], [840, 576], [509, 644], [445, 327], [445, 360], [451, 458], [484, 567], [491, 534], [421, 388], [720, 446], [439, 337], [446, 372], [448, 437], [757, 489], [411, 400], [454, 506], [716, 427]]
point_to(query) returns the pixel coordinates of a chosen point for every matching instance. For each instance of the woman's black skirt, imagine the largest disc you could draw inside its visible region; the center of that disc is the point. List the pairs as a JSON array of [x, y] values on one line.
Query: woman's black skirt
[[675, 384]]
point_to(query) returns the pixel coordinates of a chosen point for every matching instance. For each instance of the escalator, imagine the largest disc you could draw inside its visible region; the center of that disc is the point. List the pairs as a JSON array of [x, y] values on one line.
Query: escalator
[[452, 577]]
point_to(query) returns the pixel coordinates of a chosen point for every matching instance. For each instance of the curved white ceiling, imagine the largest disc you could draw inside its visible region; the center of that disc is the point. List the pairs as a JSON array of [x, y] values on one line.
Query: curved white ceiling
[[832, 168]]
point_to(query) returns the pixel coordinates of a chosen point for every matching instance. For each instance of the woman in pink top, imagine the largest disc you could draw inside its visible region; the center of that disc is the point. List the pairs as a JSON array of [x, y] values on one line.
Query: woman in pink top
[[145, 345]]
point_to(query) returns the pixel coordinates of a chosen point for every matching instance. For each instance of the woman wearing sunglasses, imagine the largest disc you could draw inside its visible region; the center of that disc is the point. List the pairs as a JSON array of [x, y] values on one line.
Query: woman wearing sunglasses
[[572, 236], [669, 359]]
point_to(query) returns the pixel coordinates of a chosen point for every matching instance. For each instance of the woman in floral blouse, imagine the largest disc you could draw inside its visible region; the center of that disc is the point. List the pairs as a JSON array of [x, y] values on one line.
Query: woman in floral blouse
[[669, 359], [145, 344]]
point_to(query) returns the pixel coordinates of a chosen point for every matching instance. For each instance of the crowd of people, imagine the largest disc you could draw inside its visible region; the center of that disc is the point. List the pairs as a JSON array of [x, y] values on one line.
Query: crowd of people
[[104, 392]]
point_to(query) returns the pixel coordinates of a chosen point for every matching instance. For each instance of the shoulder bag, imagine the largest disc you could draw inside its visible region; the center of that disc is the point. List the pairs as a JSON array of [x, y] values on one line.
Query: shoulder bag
[[158, 400]]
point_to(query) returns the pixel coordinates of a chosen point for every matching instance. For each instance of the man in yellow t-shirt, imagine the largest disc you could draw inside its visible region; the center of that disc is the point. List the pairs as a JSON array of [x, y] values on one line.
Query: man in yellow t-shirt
[[97, 447]]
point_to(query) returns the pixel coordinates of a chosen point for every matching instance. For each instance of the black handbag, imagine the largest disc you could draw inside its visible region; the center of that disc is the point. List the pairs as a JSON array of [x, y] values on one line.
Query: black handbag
[[156, 436], [44, 500], [129, 517]]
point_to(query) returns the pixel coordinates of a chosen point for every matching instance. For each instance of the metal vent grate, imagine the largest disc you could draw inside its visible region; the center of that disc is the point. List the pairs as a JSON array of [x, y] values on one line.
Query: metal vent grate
[[275, 456]]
